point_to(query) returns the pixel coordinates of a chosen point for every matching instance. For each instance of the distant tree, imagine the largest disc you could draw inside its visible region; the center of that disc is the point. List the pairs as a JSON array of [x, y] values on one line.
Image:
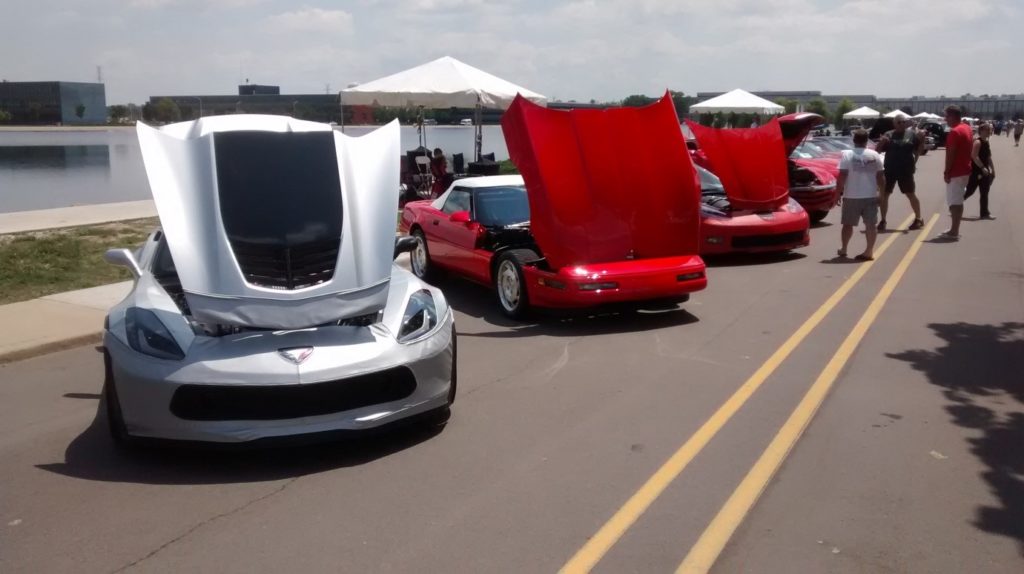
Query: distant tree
[[817, 106], [732, 120], [80, 111], [788, 103], [117, 113], [682, 102], [706, 119], [593, 101], [845, 106], [907, 110], [637, 100], [148, 112], [166, 111], [5, 116]]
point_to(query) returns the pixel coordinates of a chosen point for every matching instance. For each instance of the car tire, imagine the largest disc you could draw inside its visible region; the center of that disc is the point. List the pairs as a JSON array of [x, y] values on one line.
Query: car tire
[[419, 258], [817, 216], [510, 282], [115, 418], [455, 367]]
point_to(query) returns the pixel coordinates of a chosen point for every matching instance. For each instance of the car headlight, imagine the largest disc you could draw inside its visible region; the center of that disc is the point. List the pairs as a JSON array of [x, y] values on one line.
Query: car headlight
[[794, 207], [147, 335], [420, 317]]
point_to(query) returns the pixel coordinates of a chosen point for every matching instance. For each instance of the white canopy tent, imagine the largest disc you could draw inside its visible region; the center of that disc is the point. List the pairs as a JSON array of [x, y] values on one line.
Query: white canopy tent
[[897, 114], [442, 83], [862, 113], [738, 101]]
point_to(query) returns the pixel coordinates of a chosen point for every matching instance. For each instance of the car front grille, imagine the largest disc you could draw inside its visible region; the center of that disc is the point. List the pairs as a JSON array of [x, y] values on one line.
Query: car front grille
[[280, 402], [287, 267], [747, 241]]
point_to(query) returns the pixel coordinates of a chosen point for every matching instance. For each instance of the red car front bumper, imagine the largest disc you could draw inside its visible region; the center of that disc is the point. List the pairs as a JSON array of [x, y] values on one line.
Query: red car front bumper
[[754, 233], [598, 284]]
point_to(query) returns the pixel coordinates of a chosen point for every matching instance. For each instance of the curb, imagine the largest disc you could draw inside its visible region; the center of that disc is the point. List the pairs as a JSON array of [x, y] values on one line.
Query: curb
[[51, 347]]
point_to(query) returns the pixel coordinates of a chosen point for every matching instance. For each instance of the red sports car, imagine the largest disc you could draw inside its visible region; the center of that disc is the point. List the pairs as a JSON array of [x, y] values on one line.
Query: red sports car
[[480, 229], [812, 182], [584, 225], [724, 229]]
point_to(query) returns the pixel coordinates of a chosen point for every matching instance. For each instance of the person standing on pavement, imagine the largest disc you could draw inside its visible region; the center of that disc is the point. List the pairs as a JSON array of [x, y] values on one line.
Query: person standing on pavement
[[861, 180], [959, 143], [982, 169], [1018, 130], [902, 146]]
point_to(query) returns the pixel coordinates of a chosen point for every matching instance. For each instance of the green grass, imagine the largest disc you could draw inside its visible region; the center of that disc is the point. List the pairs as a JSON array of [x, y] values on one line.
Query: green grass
[[41, 263]]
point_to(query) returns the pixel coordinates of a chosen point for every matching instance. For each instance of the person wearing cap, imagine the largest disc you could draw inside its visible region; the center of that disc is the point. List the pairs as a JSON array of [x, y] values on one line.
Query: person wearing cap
[[902, 146]]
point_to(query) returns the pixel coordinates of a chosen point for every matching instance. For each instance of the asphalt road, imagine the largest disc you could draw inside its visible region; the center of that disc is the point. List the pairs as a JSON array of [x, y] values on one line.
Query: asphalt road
[[912, 462]]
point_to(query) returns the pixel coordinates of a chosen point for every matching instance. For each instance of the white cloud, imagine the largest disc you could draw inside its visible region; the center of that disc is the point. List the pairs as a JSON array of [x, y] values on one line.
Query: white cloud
[[311, 20]]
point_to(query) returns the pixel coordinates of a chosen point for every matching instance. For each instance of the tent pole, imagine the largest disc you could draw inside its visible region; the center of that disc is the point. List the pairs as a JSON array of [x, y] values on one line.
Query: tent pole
[[478, 129]]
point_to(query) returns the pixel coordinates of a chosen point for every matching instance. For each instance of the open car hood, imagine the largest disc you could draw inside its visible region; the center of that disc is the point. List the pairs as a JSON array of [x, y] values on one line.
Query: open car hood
[[751, 162], [795, 128], [275, 222], [605, 185]]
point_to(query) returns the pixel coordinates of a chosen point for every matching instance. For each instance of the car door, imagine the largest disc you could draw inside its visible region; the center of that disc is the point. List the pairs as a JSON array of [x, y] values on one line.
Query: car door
[[442, 232]]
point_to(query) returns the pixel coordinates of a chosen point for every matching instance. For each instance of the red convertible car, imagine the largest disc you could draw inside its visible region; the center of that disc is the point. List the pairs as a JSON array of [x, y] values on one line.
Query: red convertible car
[[582, 226]]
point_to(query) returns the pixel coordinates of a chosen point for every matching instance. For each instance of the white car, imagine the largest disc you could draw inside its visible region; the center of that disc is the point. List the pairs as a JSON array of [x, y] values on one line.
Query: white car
[[268, 305]]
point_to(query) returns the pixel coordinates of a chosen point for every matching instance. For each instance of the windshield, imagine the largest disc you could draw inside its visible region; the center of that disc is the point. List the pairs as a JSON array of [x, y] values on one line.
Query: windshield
[[709, 182], [500, 206]]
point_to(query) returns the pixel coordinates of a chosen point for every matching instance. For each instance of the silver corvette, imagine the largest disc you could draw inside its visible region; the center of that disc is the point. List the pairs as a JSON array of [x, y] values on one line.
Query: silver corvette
[[268, 304]]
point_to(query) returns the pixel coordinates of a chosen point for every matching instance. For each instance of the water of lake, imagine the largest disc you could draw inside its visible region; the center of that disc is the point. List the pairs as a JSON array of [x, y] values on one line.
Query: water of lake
[[47, 169]]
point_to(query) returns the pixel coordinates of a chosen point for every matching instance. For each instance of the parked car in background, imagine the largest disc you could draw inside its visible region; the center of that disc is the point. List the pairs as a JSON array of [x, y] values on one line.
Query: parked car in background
[[479, 229], [728, 230]]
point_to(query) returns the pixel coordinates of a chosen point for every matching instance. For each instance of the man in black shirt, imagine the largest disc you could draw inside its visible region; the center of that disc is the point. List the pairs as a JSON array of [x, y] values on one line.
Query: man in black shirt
[[901, 145]]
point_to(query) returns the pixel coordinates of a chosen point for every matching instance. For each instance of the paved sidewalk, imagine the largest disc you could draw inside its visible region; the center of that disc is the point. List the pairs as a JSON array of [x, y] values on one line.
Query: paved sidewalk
[[56, 322], [21, 221]]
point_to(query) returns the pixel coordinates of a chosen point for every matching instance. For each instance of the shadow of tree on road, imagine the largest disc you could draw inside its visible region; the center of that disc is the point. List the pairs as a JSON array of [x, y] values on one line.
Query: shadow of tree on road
[[981, 372]]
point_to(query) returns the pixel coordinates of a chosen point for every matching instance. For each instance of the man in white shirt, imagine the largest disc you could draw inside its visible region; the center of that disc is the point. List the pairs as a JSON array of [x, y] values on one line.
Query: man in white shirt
[[861, 179]]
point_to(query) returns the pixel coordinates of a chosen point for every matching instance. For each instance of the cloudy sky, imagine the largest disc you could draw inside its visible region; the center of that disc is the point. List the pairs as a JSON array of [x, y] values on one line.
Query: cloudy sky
[[601, 49]]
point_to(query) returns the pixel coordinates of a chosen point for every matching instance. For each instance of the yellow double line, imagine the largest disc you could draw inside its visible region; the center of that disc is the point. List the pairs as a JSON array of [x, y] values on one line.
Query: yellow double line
[[710, 544]]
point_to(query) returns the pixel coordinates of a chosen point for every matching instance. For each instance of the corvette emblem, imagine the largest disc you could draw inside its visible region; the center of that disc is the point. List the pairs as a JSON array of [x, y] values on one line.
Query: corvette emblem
[[295, 355]]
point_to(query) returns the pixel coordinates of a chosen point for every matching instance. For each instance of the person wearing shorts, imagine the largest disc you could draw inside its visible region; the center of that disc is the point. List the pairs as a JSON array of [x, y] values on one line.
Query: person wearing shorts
[[959, 144], [901, 145], [860, 181]]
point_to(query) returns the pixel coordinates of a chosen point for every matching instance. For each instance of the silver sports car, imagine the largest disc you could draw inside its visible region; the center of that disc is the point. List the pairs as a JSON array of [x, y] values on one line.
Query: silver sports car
[[268, 304]]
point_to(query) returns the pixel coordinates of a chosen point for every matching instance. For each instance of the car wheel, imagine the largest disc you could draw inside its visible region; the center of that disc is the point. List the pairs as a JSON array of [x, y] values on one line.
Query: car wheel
[[115, 418], [419, 258], [455, 367], [510, 283], [817, 216]]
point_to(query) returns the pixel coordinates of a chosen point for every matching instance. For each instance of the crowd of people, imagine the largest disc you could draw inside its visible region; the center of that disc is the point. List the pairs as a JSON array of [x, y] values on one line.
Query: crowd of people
[[866, 180]]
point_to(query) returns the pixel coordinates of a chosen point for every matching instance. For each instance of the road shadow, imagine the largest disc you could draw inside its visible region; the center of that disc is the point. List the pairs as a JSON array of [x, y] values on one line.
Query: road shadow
[[839, 260], [751, 259], [981, 365], [821, 224], [92, 455], [479, 301]]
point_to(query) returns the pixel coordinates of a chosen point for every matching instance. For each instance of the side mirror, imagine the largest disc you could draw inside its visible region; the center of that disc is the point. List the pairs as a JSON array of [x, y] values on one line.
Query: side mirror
[[460, 217], [404, 244], [124, 258]]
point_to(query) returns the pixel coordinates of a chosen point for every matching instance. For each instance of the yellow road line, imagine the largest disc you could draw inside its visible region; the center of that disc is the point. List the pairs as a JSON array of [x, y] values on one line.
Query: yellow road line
[[598, 545], [704, 553]]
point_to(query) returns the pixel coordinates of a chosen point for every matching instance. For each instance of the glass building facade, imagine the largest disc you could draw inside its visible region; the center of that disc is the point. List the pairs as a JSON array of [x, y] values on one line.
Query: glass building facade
[[68, 103]]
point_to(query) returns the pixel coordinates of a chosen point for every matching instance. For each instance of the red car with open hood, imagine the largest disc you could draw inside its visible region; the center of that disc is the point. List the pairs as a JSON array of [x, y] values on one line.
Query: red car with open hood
[[745, 204], [585, 224]]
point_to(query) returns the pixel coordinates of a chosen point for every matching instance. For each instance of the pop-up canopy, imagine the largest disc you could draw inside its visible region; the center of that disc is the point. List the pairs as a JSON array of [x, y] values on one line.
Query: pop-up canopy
[[897, 114], [442, 83], [862, 113], [739, 101]]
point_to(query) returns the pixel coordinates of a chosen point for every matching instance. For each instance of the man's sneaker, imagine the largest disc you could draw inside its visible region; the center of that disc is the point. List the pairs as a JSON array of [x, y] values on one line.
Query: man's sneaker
[[987, 216], [917, 224], [948, 235], [881, 225]]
